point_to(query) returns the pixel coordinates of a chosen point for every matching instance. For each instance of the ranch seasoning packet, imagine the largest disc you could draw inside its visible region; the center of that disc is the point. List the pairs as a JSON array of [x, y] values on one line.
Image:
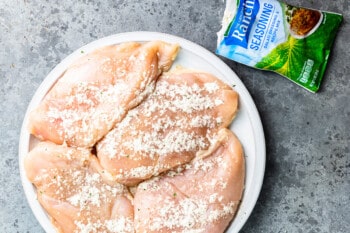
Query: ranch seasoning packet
[[271, 35]]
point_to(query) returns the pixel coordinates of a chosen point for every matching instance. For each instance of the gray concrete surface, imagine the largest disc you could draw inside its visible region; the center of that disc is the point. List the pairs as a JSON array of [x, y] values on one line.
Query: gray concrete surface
[[307, 182]]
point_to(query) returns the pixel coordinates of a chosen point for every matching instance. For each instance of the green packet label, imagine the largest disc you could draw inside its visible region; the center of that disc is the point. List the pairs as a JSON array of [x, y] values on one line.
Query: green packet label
[[271, 35]]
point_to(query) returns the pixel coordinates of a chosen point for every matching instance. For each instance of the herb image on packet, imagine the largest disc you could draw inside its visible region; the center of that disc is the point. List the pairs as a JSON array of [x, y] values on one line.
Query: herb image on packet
[[271, 35]]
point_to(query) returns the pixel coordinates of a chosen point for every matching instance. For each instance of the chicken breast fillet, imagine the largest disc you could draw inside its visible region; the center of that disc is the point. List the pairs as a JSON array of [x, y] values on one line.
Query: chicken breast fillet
[[201, 197], [97, 91], [169, 128], [74, 192]]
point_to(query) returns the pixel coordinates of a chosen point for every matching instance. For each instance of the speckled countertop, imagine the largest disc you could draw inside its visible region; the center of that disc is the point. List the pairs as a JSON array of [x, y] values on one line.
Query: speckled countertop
[[307, 181]]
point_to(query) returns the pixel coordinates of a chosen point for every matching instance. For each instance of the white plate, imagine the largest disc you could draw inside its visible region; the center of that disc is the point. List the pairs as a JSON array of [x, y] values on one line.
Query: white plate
[[247, 124]]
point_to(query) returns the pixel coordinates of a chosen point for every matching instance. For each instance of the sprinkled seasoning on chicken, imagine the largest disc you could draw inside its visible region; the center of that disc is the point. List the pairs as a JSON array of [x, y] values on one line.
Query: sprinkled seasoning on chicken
[[72, 188], [127, 147], [200, 197], [98, 90], [169, 128]]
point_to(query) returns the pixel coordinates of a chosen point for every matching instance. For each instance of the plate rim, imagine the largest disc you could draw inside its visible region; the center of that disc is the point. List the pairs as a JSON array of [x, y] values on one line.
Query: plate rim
[[139, 36]]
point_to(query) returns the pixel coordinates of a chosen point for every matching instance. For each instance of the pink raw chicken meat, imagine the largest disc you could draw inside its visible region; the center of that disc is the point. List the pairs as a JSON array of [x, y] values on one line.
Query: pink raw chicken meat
[[74, 193], [202, 197], [169, 128], [97, 91]]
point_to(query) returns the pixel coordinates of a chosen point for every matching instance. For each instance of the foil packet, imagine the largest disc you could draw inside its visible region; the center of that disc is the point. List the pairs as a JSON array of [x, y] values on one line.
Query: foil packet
[[271, 35]]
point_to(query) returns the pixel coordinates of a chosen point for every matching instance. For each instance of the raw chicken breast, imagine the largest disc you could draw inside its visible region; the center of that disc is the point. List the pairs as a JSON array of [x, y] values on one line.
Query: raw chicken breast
[[169, 128], [74, 193], [97, 91], [201, 197]]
